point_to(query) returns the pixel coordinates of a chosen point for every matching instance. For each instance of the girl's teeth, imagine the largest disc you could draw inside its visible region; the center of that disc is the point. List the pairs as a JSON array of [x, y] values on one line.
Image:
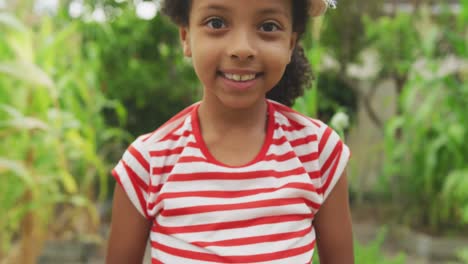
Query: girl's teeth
[[238, 77]]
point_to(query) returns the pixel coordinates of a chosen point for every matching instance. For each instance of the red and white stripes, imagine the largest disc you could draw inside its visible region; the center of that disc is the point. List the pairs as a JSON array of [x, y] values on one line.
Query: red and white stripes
[[207, 212]]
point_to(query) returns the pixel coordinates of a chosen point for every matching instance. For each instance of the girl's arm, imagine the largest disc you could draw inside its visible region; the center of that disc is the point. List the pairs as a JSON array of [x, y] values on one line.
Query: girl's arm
[[333, 227], [129, 231]]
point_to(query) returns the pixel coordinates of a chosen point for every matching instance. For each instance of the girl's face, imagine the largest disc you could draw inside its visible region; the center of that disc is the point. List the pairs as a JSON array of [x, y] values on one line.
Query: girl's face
[[240, 48]]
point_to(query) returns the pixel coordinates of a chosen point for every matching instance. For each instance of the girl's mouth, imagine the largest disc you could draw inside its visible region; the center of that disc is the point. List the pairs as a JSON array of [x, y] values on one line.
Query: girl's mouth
[[240, 81], [239, 77]]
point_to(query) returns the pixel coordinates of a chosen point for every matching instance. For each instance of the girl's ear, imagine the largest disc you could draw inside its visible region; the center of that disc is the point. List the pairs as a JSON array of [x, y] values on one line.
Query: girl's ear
[[185, 41], [292, 45]]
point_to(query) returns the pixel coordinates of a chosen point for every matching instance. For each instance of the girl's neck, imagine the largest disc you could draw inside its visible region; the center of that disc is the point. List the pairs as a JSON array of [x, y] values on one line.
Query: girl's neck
[[214, 115]]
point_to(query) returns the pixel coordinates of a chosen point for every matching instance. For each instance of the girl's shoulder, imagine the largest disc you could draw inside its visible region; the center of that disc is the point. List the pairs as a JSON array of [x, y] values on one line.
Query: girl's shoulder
[[299, 126], [169, 127], [295, 118]]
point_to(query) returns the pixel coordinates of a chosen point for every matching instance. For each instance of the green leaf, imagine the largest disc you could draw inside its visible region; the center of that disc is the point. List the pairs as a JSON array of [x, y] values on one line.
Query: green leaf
[[21, 122], [455, 132], [11, 22], [465, 214], [11, 110], [68, 182], [18, 36], [79, 200], [455, 188], [25, 123], [18, 168], [27, 72]]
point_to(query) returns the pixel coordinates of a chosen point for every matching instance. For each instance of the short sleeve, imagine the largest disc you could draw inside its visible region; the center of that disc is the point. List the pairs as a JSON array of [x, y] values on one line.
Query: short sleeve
[[333, 158], [132, 173]]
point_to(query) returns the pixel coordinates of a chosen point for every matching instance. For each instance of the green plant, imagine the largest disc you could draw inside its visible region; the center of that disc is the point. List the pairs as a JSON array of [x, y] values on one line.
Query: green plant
[[53, 134], [308, 103], [425, 144], [372, 252], [142, 66], [463, 255]]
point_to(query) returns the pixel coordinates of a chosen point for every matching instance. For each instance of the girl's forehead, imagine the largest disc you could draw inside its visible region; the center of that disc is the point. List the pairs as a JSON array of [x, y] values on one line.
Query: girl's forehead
[[262, 6]]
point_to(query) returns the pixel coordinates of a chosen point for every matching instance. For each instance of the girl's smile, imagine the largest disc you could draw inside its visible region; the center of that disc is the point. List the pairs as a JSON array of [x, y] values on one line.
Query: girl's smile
[[240, 80]]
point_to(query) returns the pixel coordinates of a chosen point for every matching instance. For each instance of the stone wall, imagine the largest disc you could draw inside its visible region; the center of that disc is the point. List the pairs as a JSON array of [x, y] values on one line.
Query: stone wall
[[366, 139]]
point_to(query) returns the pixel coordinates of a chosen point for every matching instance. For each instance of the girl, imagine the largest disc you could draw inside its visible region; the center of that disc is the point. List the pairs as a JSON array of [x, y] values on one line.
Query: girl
[[238, 177]]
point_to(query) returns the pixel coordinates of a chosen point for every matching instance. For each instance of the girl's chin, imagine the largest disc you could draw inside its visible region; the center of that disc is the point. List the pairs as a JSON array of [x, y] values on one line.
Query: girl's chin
[[240, 102]]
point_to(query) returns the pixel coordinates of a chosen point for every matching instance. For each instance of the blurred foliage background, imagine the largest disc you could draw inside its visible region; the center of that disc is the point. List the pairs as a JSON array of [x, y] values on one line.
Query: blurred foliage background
[[79, 79]]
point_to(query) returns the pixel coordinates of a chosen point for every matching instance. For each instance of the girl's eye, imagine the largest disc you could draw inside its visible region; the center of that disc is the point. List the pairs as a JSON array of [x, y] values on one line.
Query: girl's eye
[[216, 23], [269, 27]]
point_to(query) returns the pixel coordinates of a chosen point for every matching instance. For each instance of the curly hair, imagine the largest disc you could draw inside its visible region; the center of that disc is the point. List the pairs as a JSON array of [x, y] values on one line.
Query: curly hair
[[298, 74]]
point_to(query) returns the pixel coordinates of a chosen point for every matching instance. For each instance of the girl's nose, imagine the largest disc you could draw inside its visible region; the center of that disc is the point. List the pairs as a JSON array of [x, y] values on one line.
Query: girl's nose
[[241, 46]]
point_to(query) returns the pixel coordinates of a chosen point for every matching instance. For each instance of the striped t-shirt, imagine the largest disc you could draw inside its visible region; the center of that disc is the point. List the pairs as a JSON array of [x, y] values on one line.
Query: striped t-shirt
[[206, 212]]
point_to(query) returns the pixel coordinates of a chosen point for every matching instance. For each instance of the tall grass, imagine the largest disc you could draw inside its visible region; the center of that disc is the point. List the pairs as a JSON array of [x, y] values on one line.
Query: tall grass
[[53, 135]]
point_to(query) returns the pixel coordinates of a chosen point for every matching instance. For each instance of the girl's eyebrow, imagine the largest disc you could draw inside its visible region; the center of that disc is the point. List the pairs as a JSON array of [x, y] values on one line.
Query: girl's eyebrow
[[214, 7], [263, 11], [273, 11]]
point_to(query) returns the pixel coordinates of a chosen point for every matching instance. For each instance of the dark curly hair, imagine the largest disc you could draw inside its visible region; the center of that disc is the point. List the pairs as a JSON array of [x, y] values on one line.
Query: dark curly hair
[[298, 73]]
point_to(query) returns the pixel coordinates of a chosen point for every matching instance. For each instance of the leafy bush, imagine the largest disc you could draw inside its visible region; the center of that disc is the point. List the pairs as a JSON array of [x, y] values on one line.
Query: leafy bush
[[142, 66], [327, 94], [426, 165]]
